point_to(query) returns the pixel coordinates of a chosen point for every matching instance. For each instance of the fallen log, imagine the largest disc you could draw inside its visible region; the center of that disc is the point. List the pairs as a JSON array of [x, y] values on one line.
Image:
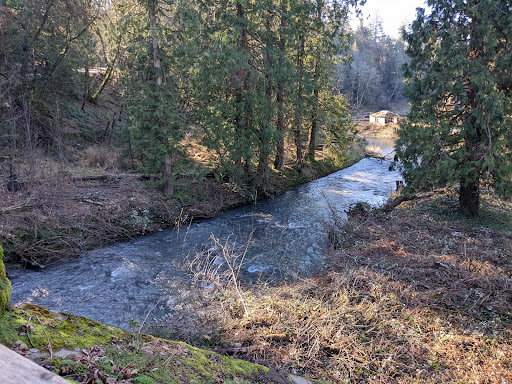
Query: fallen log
[[392, 204], [369, 155], [92, 178]]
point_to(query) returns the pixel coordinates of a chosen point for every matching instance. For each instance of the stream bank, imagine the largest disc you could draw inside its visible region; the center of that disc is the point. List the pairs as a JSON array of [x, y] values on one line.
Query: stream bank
[[85, 351], [64, 216], [143, 280], [421, 294]]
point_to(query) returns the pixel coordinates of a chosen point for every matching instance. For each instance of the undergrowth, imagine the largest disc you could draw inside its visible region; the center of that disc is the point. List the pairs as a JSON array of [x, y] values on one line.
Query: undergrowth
[[418, 295]]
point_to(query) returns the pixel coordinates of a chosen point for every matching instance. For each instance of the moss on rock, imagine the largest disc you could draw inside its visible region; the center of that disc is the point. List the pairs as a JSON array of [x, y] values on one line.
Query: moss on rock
[[5, 286], [114, 353], [63, 330]]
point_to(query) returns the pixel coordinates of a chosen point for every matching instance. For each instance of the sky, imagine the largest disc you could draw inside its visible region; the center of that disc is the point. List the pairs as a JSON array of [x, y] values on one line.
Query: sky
[[393, 13]]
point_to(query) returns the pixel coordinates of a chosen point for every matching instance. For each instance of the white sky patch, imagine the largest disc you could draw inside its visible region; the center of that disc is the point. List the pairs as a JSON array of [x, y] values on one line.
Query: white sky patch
[[394, 14]]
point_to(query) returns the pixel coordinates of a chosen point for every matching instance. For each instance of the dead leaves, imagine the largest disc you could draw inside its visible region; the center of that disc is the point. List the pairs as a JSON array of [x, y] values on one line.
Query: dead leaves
[[95, 366], [21, 348], [129, 372], [91, 368]]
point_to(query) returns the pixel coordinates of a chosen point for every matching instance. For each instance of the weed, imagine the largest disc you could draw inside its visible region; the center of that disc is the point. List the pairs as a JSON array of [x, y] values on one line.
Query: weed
[[219, 267]]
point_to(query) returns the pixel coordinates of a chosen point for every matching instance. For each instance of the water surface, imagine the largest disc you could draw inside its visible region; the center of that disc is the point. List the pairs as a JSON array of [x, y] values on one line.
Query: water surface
[[286, 236]]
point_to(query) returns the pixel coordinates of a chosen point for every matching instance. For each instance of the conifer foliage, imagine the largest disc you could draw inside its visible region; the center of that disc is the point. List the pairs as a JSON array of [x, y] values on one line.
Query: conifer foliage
[[241, 75], [262, 71], [460, 85]]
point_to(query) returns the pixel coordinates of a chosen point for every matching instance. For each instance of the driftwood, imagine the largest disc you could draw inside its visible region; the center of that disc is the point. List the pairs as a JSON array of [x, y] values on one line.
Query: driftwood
[[114, 177], [94, 178], [390, 205], [369, 155], [19, 207], [16, 369], [92, 202]]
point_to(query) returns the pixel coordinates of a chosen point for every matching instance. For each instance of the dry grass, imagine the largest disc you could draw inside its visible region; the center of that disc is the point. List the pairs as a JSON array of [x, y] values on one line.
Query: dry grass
[[389, 130], [61, 217], [100, 156], [419, 295]]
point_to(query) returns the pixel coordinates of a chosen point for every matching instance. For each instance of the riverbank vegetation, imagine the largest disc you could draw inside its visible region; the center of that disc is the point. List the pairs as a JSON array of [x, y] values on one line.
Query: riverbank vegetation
[[420, 294], [212, 105], [63, 216]]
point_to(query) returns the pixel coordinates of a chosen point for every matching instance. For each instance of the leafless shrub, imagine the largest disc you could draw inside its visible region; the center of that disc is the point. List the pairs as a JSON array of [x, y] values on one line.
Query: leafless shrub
[[219, 267], [100, 156]]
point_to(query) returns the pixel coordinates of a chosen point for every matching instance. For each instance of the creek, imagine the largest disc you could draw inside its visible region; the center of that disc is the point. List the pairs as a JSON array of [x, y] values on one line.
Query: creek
[[287, 237]]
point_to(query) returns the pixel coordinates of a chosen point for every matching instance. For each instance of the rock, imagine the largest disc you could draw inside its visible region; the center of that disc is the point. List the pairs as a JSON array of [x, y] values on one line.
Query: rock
[[5, 286], [298, 380], [61, 354]]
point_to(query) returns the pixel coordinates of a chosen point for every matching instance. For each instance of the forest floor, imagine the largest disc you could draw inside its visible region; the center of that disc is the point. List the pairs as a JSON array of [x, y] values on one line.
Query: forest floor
[[421, 294]]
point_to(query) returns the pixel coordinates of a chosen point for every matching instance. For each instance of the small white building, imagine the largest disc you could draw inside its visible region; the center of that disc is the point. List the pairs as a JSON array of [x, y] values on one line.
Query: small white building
[[385, 117]]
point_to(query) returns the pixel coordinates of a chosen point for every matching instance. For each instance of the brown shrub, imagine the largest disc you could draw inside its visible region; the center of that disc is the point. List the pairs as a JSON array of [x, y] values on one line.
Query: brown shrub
[[100, 156]]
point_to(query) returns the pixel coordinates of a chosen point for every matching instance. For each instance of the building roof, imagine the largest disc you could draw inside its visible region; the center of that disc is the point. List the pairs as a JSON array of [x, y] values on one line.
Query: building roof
[[384, 114]]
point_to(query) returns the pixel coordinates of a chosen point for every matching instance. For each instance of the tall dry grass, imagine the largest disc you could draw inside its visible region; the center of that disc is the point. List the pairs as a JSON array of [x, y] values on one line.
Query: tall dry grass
[[410, 297], [100, 156]]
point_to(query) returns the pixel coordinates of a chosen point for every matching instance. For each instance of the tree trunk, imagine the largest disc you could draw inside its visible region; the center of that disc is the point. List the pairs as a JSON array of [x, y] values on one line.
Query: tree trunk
[[265, 126], [280, 128], [298, 129], [111, 65], [242, 116], [168, 186], [108, 76], [310, 151], [87, 91], [469, 193], [469, 198]]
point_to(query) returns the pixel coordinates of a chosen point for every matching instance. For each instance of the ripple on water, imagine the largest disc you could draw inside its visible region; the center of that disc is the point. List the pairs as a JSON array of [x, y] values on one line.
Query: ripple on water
[[126, 281]]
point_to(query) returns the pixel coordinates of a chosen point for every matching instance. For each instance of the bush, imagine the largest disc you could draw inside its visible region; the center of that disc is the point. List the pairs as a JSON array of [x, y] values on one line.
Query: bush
[[100, 156]]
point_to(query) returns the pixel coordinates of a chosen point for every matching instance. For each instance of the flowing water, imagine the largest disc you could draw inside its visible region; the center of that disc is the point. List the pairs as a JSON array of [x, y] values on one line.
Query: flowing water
[[286, 237]]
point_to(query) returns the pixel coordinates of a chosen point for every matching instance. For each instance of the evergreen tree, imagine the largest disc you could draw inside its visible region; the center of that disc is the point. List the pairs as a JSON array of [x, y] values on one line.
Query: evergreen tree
[[301, 22], [329, 37], [282, 77], [459, 83], [226, 85], [151, 94]]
